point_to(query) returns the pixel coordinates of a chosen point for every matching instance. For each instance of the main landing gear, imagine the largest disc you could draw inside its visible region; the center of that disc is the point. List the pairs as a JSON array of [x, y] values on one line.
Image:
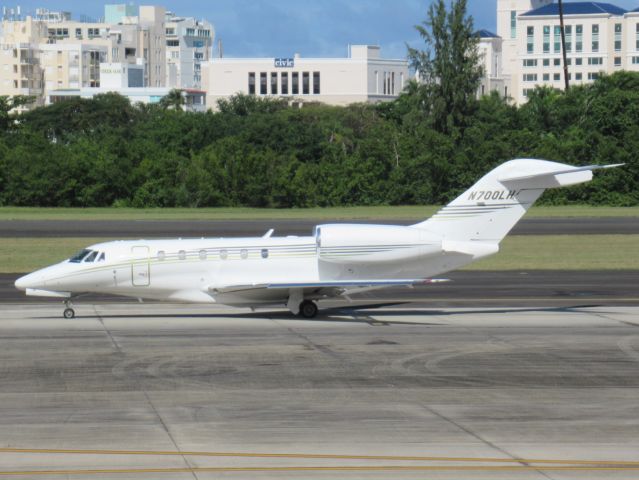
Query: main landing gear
[[68, 311], [308, 309]]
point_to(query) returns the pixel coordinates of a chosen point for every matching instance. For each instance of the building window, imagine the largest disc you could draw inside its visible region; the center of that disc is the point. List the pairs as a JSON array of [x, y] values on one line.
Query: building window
[[556, 77], [617, 61], [172, 43], [530, 62], [557, 39], [578, 76], [251, 83], [306, 81], [568, 32], [316, 83], [579, 41], [78, 33], [595, 38], [530, 39], [546, 38], [595, 61], [513, 24], [578, 61], [263, 83], [635, 60], [284, 83], [593, 75], [546, 62], [530, 77], [546, 77], [296, 83], [273, 83], [637, 36], [527, 91], [617, 37], [557, 62]]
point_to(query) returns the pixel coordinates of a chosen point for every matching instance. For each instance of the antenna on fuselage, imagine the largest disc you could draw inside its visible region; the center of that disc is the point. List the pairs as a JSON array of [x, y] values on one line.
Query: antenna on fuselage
[[268, 234]]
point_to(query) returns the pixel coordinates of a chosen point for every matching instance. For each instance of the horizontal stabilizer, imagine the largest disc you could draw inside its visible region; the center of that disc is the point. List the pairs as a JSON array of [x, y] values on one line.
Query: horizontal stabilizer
[[513, 178], [560, 177]]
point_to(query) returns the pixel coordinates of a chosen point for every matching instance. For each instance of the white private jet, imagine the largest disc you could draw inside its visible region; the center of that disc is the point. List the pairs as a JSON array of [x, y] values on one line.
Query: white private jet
[[337, 260]]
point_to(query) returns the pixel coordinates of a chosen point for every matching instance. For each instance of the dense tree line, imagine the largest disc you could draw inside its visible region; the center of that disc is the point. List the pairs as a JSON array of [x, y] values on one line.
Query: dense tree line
[[255, 152]]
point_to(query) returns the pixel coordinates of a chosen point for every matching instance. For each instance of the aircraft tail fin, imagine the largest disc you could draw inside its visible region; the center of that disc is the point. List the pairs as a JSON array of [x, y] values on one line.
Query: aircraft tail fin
[[491, 208]]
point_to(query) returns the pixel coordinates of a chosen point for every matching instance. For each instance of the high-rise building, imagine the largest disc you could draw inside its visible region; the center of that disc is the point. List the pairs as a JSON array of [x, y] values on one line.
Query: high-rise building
[[600, 37], [50, 52], [189, 43]]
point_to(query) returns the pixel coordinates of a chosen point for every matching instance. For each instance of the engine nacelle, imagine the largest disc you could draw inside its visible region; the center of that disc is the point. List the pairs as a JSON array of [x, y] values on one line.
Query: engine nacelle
[[366, 244]]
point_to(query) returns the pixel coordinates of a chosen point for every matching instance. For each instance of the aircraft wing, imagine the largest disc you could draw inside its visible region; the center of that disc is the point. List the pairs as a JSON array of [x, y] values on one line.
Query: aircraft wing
[[327, 288]]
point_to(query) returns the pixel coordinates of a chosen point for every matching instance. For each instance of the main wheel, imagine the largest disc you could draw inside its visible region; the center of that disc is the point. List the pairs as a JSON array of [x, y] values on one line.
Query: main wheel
[[69, 313], [308, 309]]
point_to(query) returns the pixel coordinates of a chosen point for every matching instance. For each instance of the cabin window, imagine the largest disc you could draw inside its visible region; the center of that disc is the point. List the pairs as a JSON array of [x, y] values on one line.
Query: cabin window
[[161, 255], [202, 254], [102, 257], [77, 258], [244, 253], [224, 254], [90, 257], [264, 253], [182, 255]]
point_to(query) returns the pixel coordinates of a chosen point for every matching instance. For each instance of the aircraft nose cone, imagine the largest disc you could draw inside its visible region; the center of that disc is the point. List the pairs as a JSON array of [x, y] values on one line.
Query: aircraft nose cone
[[27, 281]]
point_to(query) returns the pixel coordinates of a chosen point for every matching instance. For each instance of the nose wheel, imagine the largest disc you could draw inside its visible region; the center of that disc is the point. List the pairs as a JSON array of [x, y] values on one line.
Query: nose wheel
[[68, 311], [308, 309]]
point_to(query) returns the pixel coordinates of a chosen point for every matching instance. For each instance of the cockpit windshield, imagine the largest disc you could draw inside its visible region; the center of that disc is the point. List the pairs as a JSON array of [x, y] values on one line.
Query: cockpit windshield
[[77, 258], [87, 256]]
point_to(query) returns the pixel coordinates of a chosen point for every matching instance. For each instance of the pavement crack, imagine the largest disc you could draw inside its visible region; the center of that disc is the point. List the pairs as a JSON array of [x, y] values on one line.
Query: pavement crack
[[114, 343], [481, 439]]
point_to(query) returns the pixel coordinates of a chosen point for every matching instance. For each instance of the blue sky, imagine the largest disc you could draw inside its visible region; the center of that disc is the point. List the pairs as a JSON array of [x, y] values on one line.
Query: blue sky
[[280, 28]]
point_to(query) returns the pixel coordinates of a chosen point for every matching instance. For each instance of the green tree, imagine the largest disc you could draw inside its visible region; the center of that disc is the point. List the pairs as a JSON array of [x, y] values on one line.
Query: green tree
[[174, 99], [449, 66]]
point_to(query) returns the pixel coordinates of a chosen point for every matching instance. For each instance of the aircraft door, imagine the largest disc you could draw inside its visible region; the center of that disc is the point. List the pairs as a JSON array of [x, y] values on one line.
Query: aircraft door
[[140, 268]]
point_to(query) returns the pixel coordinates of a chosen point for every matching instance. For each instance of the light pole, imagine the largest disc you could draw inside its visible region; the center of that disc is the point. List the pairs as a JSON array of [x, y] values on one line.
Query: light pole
[[563, 43]]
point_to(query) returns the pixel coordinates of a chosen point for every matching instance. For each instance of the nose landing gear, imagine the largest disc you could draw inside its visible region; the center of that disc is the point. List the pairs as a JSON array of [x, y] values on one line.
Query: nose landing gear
[[68, 311]]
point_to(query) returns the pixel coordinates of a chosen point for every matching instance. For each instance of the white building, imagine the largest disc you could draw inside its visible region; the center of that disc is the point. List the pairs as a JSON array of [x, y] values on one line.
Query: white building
[[363, 76], [490, 51], [600, 37], [189, 43]]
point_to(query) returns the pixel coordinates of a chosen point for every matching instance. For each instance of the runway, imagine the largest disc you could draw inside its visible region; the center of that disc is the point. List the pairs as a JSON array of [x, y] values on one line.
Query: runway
[[231, 228], [175, 392], [549, 288]]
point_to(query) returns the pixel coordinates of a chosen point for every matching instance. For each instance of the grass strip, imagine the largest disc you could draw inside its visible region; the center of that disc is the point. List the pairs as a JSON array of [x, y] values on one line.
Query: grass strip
[[415, 212], [528, 252]]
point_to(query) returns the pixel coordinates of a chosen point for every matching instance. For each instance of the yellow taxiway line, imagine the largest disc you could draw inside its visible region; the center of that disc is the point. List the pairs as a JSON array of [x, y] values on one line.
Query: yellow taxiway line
[[368, 468], [615, 463]]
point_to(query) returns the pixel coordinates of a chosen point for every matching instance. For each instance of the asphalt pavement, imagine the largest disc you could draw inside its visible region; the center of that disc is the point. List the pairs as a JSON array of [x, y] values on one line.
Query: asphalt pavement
[[466, 289], [194, 392], [232, 228]]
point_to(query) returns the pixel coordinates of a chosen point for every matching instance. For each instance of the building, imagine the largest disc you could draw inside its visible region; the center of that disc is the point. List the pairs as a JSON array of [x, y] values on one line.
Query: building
[[189, 44], [363, 76], [490, 51], [194, 100], [50, 51], [600, 37]]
